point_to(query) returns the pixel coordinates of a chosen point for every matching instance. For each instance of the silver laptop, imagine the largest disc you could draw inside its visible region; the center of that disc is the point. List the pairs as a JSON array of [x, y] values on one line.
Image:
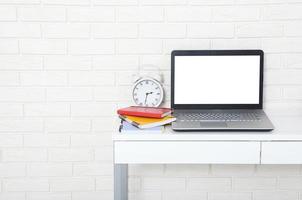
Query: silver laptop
[[218, 90]]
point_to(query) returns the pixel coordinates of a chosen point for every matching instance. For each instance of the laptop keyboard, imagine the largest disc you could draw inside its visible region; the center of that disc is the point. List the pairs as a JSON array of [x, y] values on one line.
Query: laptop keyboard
[[208, 116]]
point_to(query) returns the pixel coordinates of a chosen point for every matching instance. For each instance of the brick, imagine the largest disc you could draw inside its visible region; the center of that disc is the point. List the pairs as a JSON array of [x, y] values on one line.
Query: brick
[[150, 170], [93, 195], [236, 13], [259, 2], [47, 109], [292, 61], [67, 62], [210, 30], [162, 30], [38, 13], [230, 196], [43, 78], [259, 30], [91, 47], [90, 14], [42, 140], [69, 94], [60, 30], [211, 2], [134, 184], [272, 92], [184, 195], [8, 140], [283, 109], [9, 78], [188, 14], [162, 62], [107, 93], [290, 183], [293, 29], [125, 78], [8, 13], [163, 2], [114, 30], [93, 109], [251, 183], [163, 184], [254, 43], [20, 29], [186, 170], [104, 183], [93, 169], [9, 46], [285, 123], [125, 93], [272, 61], [24, 154], [209, 184], [277, 195], [72, 184], [74, 154], [66, 2], [18, 62], [12, 196], [104, 154], [20, 2], [21, 125], [277, 12], [48, 195], [292, 93], [283, 77], [49, 169], [67, 125], [8, 170], [115, 62], [145, 195], [51, 46], [91, 78], [140, 14], [184, 44], [26, 185], [85, 140], [105, 124], [278, 170], [115, 2], [282, 45], [142, 46], [18, 94], [232, 170]]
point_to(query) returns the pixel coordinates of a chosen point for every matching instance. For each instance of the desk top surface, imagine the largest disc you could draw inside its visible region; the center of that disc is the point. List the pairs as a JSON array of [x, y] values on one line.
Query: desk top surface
[[287, 128]]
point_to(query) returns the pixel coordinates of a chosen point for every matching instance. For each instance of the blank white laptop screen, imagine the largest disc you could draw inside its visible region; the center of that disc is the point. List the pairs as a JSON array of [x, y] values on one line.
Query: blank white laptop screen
[[217, 79]]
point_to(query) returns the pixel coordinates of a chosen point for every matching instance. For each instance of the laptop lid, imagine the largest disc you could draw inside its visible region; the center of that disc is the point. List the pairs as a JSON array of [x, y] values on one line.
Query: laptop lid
[[217, 79]]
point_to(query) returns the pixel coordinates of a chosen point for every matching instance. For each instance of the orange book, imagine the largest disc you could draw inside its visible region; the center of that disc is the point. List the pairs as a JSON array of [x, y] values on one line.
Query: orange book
[[146, 122]]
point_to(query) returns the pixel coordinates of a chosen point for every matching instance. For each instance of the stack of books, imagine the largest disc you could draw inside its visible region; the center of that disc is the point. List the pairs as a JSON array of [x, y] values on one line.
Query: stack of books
[[137, 119]]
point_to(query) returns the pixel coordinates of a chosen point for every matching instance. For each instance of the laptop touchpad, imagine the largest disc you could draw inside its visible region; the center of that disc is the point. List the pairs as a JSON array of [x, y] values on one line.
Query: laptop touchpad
[[213, 124]]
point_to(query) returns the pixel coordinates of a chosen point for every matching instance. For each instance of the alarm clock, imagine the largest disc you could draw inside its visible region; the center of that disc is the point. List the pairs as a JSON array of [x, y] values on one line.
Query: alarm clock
[[147, 91]]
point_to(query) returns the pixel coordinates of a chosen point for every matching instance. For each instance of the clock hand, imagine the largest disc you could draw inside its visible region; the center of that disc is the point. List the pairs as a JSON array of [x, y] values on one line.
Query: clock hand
[[146, 98]]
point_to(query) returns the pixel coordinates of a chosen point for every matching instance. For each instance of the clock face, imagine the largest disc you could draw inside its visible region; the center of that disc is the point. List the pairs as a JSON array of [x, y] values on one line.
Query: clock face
[[148, 92]]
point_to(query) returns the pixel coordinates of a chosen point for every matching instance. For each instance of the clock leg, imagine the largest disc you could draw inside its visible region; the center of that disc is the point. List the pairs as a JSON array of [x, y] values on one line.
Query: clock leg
[[120, 181]]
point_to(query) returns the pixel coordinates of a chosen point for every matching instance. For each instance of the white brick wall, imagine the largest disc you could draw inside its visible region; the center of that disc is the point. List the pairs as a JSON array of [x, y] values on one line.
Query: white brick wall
[[66, 65]]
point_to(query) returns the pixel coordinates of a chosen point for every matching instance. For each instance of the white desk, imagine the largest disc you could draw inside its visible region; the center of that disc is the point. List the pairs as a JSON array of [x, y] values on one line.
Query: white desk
[[281, 146]]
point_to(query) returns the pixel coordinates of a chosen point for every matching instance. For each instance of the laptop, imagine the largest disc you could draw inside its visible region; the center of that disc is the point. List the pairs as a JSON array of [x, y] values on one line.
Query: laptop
[[218, 90]]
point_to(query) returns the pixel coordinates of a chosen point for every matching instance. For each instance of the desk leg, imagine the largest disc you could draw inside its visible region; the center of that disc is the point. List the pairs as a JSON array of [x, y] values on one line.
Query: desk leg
[[120, 181]]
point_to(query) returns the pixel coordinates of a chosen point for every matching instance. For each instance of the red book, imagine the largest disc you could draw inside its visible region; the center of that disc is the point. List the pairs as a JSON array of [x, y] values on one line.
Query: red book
[[145, 111]]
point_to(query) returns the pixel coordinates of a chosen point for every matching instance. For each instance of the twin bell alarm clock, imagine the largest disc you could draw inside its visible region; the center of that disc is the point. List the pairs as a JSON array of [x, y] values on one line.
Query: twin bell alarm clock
[[147, 90]]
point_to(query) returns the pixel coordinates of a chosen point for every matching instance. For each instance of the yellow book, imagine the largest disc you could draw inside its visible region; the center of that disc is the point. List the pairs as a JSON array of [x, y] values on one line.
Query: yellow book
[[146, 122]]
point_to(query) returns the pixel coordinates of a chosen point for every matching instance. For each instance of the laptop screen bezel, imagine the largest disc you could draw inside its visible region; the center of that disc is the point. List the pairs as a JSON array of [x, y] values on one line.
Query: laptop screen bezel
[[216, 53]]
